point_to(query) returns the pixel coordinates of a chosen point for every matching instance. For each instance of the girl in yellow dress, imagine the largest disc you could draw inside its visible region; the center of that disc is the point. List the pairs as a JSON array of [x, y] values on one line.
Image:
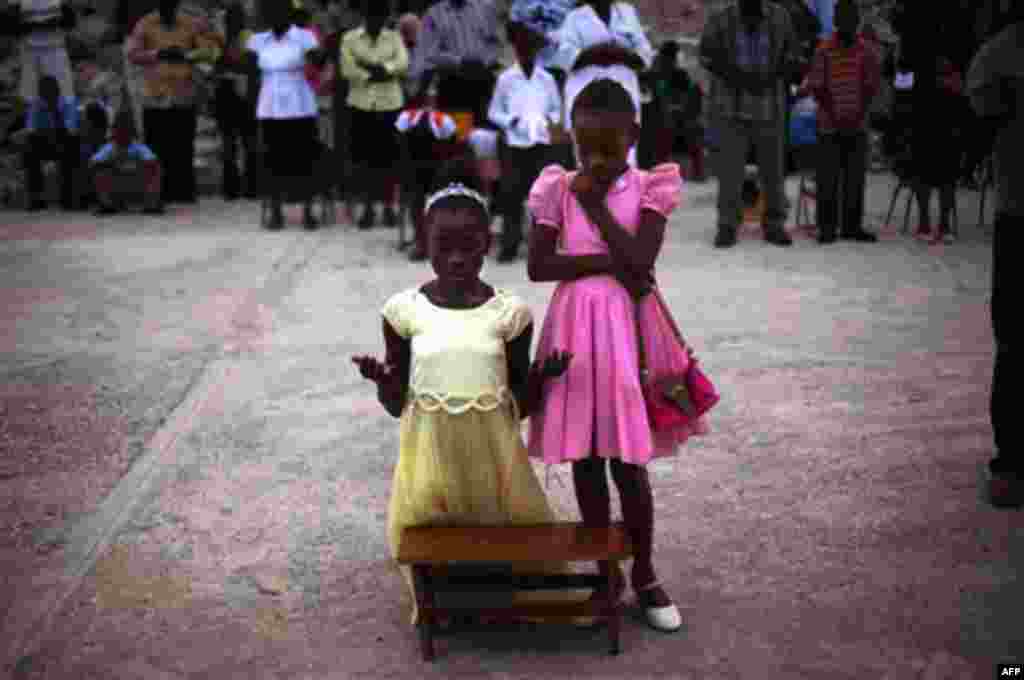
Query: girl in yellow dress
[[458, 374]]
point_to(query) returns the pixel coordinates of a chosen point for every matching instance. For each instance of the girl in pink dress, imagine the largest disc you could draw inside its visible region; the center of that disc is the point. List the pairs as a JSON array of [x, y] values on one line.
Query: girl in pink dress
[[598, 231]]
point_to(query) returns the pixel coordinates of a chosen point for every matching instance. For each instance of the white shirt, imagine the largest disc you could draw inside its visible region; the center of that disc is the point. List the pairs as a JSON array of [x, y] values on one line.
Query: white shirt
[[284, 92], [533, 102], [583, 28]]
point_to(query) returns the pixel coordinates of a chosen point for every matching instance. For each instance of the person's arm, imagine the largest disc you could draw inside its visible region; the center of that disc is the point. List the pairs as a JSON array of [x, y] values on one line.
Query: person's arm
[[641, 45], [992, 93], [526, 379], [517, 360], [790, 54], [137, 47], [350, 68], [570, 44], [392, 392], [872, 78], [498, 112], [397, 66], [545, 263], [207, 45], [637, 253], [428, 55]]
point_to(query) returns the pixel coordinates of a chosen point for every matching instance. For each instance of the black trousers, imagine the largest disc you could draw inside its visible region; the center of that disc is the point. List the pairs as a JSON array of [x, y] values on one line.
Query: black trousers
[[1009, 459], [171, 134], [67, 156], [519, 169], [842, 169], [237, 124]]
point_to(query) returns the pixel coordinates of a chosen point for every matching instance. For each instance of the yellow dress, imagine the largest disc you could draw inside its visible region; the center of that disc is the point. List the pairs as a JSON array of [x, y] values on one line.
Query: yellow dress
[[462, 459]]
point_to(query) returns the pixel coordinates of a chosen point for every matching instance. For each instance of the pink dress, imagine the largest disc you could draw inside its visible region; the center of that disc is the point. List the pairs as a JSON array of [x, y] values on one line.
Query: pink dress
[[597, 406]]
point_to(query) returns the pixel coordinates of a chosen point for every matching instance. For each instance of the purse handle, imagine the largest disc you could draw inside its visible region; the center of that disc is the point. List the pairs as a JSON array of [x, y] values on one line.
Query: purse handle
[[641, 353]]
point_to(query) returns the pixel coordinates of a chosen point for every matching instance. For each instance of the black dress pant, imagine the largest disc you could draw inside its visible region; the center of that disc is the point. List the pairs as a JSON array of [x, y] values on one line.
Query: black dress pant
[[1009, 459], [519, 169], [237, 125], [842, 169], [67, 154], [171, 134]]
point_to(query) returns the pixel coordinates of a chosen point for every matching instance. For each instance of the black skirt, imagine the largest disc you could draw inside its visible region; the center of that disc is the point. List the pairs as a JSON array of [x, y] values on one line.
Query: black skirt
[[291, 147], [373, 139]]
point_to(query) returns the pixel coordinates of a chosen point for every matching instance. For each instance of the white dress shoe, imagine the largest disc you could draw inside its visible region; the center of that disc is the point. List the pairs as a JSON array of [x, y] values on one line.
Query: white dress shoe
[[666, 619]]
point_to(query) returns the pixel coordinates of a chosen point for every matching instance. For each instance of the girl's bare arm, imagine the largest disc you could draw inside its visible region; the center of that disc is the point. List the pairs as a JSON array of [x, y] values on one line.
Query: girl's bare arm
[[544, 263], [637, 253], [392, 394], [517, 358]]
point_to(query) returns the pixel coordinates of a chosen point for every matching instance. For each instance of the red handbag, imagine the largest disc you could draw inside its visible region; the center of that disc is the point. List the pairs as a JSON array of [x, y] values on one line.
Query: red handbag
[[673, 400]]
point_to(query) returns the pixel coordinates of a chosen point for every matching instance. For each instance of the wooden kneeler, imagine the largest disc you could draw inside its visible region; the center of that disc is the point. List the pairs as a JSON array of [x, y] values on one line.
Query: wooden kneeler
[[428, 550]]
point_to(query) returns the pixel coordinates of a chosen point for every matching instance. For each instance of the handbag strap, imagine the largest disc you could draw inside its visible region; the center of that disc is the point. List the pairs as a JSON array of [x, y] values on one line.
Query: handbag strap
[[641, 353]]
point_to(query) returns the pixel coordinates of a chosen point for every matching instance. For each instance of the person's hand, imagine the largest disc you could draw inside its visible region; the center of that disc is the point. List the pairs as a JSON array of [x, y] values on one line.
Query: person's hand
[[588, 191], [553, 366], [637, 286], [376, 371], [171, 54]]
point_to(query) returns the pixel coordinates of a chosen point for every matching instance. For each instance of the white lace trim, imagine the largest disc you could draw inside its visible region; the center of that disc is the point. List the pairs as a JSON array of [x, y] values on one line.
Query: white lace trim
[[434, 401]]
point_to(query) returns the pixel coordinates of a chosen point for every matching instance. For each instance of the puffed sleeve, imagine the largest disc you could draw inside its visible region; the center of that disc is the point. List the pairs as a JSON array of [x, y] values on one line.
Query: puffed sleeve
[[515, 317], [398, 312], [664, 189], [547, 195]]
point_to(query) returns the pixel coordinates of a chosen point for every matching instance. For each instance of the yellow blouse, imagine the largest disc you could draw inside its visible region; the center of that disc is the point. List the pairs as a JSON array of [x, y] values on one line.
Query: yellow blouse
[[458, 355]]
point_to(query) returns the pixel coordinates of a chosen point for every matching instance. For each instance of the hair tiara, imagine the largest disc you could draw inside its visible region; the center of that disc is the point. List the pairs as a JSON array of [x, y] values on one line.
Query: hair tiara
[[456, 189]]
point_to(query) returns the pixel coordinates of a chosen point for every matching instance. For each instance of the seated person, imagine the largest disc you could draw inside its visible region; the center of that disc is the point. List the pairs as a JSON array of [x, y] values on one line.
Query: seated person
[[51, 131], [95, 130], [126, 169]]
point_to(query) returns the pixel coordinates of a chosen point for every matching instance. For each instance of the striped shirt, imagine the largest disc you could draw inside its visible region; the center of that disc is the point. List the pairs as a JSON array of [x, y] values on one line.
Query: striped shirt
[[773, 45], [452, 33], [844, 81]]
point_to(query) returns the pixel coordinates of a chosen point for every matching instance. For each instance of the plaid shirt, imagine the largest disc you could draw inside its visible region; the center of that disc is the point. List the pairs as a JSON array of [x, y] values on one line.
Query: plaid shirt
[[772, 47], [449, 34]]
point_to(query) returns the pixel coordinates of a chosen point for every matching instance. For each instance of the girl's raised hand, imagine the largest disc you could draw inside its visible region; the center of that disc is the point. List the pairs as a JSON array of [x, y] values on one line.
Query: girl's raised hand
[[374, 370]]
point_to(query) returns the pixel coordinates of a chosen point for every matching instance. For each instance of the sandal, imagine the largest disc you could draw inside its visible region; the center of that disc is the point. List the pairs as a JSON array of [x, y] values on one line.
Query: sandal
[[666, 618]]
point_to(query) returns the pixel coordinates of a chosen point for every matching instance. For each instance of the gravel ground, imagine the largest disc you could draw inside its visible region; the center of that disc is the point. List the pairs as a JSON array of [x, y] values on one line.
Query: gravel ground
[[194, 479]]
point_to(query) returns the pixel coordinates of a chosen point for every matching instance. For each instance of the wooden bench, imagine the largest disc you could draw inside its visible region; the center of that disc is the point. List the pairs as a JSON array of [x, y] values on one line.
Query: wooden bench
[[429, 550]]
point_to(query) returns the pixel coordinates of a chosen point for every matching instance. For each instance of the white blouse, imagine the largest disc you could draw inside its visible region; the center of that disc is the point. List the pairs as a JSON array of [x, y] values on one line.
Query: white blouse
[[284, 92], [583, 28]]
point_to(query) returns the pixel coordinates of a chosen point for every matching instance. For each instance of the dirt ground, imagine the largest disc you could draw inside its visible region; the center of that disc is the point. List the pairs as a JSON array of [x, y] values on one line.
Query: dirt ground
[[194, 479]]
